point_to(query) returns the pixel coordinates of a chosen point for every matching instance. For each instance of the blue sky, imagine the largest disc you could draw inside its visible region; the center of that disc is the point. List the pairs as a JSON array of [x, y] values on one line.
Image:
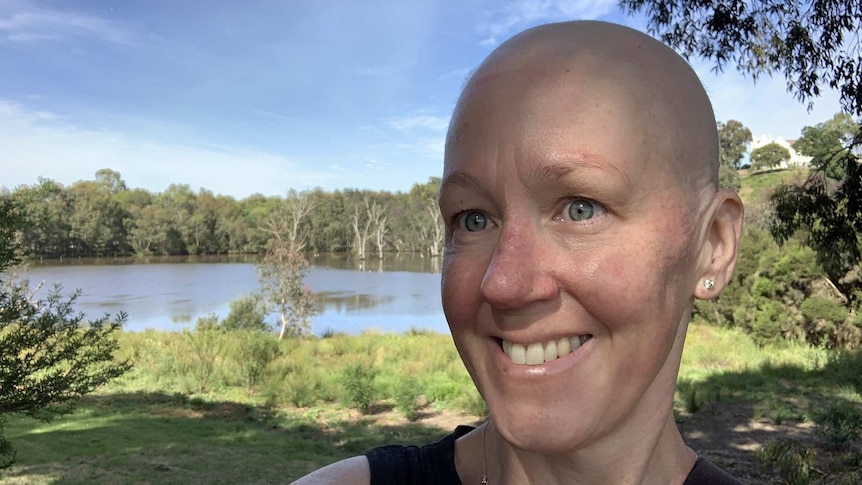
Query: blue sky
[[263, 96]]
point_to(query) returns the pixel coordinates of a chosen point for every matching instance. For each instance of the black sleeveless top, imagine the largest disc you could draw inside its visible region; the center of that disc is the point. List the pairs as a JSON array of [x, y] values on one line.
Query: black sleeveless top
[[434, 464]]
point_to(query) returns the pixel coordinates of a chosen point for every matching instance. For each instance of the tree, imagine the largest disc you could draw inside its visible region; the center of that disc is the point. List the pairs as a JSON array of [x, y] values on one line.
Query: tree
[[825, 143], [364, 220], [426, 215], [282, 271], [815, 45], [733, 139], [769, 156], [49, 355]]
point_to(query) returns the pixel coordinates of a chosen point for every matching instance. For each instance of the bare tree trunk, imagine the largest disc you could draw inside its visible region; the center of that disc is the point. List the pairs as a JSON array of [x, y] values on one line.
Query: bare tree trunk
[[437, 229], [358, 240], [380, 233], [283, 327], [298, 207]]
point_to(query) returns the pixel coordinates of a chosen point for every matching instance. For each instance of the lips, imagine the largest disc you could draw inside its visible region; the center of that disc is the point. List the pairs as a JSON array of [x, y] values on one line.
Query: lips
[[539, 353]]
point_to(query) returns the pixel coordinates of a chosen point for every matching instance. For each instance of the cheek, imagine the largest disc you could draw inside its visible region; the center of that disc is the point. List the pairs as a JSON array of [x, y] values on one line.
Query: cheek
[[634, 289], [459, 284]]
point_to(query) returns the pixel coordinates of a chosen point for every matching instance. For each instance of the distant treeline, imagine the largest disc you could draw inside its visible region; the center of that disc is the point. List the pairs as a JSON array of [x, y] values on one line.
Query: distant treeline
[[103, 217]]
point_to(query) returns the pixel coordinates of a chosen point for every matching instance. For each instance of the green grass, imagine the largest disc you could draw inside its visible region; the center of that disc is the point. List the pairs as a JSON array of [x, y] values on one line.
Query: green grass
[[158, 424], [755, 184], [157, 438]]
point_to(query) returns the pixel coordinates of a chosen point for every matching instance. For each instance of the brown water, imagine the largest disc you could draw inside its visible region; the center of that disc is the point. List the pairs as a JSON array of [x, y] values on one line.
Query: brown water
[[395, 294]]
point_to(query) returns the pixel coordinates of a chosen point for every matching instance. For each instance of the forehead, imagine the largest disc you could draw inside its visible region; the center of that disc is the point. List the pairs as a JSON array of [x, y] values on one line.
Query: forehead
[[585, 114]]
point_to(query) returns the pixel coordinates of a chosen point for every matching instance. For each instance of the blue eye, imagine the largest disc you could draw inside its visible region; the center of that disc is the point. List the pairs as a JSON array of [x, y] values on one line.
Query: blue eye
[[474, 221], [583, 209]]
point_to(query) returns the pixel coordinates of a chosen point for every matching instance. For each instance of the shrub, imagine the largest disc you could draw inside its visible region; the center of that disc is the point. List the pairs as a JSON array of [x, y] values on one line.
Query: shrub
[[255, 351], [407, 398], [795, 462], [204, 348], [766, 325], [246, 313], [816, 308], [358, 383], [440, 388], [839, 423], [207, 323]]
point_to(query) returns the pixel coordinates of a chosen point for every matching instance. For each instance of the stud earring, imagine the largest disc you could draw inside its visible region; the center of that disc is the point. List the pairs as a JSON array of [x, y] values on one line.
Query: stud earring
[[708, 284]]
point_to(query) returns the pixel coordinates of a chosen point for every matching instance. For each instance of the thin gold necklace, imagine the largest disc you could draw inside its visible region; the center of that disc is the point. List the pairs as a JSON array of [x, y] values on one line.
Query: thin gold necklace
[[484, 464]]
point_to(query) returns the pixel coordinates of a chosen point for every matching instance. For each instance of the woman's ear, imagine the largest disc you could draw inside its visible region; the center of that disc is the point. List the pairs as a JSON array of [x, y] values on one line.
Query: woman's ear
[[721, 241]]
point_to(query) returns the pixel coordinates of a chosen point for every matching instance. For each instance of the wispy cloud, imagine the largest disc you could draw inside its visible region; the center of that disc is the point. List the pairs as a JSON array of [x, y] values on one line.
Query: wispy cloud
[[43, 144], [418, 120], [431, 147], [25, 22], [376, 165], [518, 14]]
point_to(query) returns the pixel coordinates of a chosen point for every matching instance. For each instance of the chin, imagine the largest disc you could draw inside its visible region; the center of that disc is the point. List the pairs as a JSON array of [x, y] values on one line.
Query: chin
[[539, 428]]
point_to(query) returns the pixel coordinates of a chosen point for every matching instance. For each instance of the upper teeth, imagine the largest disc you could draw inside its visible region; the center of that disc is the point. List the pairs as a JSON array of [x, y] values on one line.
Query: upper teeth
[[535, 354]]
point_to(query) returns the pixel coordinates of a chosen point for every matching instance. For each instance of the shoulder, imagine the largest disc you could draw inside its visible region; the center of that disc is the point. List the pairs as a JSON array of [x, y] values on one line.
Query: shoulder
[[352, 471], [705, 473]]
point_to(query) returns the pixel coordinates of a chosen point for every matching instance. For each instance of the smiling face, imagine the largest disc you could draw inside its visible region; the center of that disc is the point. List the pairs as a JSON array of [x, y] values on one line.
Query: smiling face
[[574, 238]]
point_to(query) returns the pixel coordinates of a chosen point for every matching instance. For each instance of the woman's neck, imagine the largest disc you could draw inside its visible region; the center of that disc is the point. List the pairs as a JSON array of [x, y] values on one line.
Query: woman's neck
[[658, 456]]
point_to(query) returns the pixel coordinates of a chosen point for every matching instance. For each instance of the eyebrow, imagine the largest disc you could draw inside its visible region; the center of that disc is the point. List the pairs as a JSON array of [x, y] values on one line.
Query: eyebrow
[[462, 179], [553, 172]]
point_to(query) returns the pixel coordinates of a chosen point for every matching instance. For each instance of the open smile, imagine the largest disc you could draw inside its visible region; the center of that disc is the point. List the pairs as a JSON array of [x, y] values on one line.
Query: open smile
[[539, 353]]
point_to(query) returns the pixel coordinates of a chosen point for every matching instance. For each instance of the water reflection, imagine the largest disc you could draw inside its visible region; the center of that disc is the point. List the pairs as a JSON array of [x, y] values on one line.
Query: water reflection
[[342, 301], [393, 294], [392, 262]]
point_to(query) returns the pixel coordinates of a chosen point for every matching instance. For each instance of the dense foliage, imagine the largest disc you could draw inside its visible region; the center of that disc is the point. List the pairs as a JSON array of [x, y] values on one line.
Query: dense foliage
[[781, 293], [49, 355], [103, 217]]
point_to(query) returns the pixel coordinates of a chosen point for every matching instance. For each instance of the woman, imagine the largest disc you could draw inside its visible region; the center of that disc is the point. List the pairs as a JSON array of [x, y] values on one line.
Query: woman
[[584, 218]]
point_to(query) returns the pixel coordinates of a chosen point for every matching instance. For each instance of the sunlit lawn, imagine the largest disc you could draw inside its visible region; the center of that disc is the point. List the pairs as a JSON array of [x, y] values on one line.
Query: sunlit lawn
[[150, 428]]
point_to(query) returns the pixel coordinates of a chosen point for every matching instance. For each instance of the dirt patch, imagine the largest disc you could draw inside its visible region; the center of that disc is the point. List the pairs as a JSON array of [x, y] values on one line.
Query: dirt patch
[[728, 436]]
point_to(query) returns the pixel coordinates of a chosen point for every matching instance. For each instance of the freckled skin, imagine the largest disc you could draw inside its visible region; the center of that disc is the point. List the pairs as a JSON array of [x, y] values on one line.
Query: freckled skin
[[635, 135]]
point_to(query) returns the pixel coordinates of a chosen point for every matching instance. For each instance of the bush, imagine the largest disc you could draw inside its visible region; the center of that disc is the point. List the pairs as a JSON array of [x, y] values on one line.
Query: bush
[[816, 308], [440, 388], [359, 390], [407, 398], [246, 313], [766, 325], [840, 424], [207, 323], [254, 352], [204, 348]]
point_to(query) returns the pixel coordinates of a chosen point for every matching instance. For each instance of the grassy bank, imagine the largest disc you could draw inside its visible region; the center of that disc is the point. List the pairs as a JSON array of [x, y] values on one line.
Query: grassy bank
[[243, 408]]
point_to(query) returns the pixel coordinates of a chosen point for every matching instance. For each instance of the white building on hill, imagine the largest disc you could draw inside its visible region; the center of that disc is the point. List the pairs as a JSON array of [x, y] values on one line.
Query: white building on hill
[[796, 160]]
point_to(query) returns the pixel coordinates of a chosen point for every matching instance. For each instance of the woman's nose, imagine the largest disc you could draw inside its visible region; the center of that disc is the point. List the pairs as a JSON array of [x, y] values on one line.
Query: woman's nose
[[518, 271]]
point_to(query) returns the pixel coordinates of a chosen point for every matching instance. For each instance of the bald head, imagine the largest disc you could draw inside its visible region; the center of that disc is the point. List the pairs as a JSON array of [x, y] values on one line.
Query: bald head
[[588, 76]]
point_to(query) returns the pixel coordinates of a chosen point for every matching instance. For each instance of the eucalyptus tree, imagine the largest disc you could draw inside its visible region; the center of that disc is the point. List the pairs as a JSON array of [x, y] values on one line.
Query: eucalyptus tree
[[282, 271]]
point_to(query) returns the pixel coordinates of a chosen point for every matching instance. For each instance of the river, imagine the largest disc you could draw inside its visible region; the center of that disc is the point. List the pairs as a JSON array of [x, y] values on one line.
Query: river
[[394, 295]]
